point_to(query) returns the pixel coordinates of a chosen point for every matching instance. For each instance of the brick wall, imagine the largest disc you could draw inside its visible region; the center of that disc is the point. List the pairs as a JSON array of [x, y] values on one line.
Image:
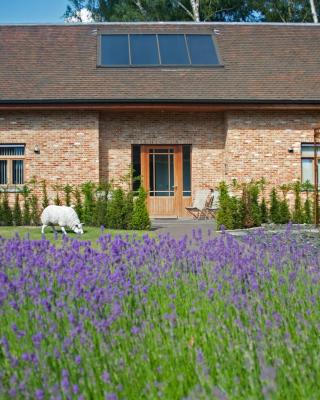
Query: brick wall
[[68, 142], [204, 131]]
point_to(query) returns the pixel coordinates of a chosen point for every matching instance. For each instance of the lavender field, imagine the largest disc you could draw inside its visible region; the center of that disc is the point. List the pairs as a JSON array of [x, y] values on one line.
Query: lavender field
[[156, 318]]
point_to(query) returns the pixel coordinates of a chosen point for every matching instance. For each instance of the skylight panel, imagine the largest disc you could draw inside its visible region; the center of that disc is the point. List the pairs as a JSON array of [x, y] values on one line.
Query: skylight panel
[[201, 49], [144, 50], [155, 50], [114, 50], [173, 50]]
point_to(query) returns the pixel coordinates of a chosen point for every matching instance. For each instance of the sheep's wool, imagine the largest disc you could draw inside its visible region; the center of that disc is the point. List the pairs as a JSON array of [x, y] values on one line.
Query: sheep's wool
[[60, 215]]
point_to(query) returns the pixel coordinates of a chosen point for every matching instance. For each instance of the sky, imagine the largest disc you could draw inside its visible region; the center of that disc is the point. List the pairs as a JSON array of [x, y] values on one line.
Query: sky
[[28, 11]]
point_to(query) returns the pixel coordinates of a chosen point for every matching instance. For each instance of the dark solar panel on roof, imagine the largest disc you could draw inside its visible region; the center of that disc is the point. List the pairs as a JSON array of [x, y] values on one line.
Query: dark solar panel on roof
[[140, 50]]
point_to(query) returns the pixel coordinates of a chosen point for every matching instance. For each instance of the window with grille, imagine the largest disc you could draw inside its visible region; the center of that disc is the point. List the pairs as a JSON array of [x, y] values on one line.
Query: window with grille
[[12, 164]]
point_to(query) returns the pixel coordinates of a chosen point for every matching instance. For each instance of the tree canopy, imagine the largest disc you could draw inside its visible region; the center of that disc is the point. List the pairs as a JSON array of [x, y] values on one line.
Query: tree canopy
[[196, 10]]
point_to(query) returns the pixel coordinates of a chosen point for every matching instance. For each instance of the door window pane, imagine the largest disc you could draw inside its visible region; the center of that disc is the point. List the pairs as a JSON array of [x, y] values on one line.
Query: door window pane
[[136, 166], [114, 50], [202, 50], [17, 172], [186, 170], [11, 150], [144, 50], [173, 50], [161, 172], [307, 150], [3, 172]]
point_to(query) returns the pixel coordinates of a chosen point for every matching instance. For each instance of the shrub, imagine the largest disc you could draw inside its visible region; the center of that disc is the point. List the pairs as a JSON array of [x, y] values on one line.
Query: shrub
[[6, 210], [264, 211], [128, 210], [78, 206], [101, 204], [254, 203], [284, 211], [308, 215], [34, 214], [274, 207], [140, 215], [116, 210], [224, 214], [57, 200], [67, 193], [17, 213], [88, 215], [297, 216], [26, 206], [45, 200]]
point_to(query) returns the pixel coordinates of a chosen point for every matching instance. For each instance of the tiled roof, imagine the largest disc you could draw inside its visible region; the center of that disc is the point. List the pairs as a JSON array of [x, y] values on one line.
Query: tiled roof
[[261, 62]]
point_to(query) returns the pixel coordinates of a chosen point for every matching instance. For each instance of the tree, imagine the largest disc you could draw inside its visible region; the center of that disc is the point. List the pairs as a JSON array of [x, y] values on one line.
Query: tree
[[286, 10], [160, 10]]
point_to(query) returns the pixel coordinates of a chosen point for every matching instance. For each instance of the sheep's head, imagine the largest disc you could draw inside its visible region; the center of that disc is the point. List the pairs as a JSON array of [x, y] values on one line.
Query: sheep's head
[[78, 229]]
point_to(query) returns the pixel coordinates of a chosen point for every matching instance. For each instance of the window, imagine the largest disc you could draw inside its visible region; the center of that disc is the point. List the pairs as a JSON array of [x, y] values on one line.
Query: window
[[186, 154], [11, 164], [134, 50], [307, 163]]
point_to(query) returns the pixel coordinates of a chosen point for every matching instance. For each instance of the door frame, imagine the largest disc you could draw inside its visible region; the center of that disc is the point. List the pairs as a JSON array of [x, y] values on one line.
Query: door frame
[[178, 174]]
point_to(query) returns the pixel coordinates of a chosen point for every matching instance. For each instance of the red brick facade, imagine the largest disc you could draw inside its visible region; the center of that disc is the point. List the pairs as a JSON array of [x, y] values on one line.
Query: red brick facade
[[81, 146]]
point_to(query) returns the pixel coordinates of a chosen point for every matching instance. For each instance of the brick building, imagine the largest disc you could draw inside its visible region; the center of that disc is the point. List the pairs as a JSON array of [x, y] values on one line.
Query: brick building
[[187, 105]]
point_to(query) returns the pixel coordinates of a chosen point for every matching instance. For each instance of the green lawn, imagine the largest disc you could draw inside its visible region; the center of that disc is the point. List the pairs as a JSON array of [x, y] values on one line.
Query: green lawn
[[90, 233]]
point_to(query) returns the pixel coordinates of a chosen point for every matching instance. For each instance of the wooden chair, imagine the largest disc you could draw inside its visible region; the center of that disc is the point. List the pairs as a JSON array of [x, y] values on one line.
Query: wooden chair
[[200, 202]]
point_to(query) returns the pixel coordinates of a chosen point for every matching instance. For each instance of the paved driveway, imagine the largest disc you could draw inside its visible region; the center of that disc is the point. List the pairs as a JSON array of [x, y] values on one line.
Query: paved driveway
[[180, 227]]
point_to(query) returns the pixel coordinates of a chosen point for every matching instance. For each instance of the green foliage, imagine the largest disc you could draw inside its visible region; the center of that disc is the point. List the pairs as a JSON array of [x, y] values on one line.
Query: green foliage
[[284, 212], [128, 210], [308, 214], [6, 210], [57, 200], [78, 206], [249, 205], [26, 206], [297, 215], [116, 210], [17, 213], [274, 207], [140, 215], [34, 206], [67, 192], [224, 214], [264, 211], [101, 207], [45, 200], [88, 215]]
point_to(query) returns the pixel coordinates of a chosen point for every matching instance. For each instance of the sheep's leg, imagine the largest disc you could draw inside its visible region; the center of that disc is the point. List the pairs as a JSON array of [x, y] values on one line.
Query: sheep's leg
[[63, 230], [43, 228]]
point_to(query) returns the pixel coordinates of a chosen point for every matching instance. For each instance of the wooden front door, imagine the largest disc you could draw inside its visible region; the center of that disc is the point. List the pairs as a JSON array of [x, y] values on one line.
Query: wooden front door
[[161, 170]]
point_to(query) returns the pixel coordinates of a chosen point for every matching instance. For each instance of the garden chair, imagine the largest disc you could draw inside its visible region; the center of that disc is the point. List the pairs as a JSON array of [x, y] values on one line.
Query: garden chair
[[213, 206], [198, 208]]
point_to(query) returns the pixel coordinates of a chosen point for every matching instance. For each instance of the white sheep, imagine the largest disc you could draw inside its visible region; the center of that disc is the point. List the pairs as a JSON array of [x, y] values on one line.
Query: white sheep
[[62, 216]]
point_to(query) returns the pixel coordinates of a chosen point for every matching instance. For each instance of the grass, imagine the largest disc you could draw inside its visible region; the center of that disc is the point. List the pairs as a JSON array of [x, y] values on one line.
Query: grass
[[34, 233]]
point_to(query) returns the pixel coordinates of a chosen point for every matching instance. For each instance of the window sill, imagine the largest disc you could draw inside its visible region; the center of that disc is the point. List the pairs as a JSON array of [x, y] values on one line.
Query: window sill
[[11, 188]]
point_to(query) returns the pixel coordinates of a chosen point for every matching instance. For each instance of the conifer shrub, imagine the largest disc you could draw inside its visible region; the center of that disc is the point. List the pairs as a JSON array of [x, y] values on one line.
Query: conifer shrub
[[88, 214], [6, 210], [274, 207], [101, 207], [116, 209], [254, 191], [140, 216], [67, 194], [78, 202], [1, 210], [17, 213], [264, 211], [307, 208], [224, 214], [284, 211], [45, 199], [57, 201], [297, 215], [128, 210], [34, 210]]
